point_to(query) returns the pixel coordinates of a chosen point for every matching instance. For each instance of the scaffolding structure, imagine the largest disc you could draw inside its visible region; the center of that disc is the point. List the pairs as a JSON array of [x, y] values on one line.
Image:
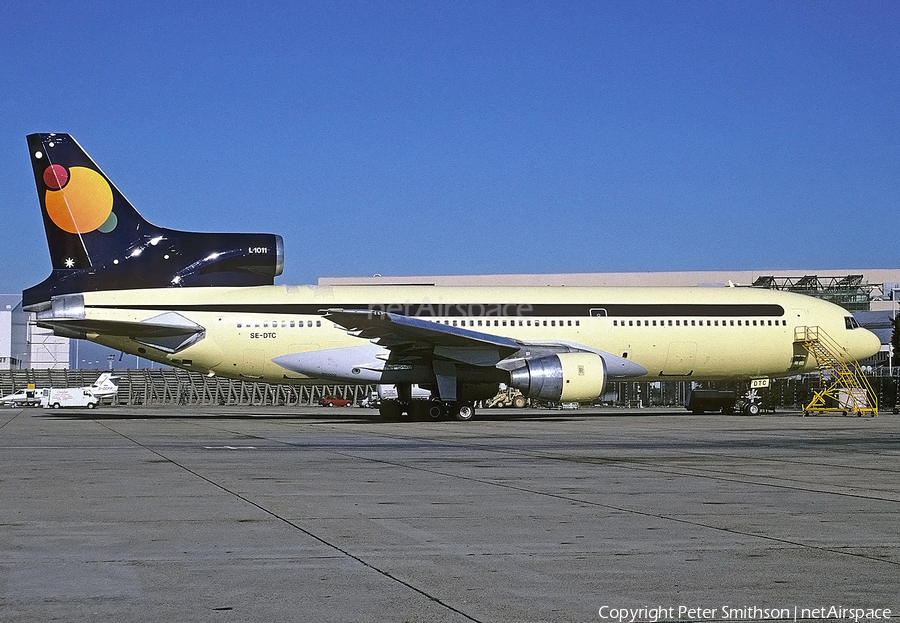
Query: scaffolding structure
[[851, 292], [844, 386]]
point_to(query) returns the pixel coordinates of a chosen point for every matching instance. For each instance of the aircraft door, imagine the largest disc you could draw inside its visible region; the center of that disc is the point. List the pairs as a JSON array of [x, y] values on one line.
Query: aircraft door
[[799, 356], [596, 328]]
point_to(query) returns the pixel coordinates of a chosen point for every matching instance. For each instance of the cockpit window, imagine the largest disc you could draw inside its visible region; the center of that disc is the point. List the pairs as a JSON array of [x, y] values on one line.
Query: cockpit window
[[850, 322]]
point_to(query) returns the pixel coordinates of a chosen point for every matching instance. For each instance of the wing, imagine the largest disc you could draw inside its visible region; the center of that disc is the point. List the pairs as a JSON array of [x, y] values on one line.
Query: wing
[[455, 351], [413, 339]]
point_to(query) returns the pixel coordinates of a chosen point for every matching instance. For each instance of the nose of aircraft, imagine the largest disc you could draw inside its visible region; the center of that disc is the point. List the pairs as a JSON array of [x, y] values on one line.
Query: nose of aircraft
[[863, 344]]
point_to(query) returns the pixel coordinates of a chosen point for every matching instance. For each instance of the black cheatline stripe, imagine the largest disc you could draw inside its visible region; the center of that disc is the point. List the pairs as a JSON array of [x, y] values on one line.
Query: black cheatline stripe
[[495, 310]]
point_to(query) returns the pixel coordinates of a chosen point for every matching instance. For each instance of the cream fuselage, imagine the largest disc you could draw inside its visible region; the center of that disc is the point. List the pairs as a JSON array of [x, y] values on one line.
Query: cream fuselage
[[675, 333]]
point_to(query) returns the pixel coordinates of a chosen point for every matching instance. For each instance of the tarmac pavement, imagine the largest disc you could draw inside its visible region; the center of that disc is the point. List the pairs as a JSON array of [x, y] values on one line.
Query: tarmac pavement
[[314, 514]]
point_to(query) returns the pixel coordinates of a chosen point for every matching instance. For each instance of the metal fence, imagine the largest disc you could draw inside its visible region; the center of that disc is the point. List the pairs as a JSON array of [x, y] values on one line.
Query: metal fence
[[162, 386]]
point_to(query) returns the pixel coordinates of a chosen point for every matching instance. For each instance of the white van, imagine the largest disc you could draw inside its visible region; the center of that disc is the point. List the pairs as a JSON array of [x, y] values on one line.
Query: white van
[[75, 397]]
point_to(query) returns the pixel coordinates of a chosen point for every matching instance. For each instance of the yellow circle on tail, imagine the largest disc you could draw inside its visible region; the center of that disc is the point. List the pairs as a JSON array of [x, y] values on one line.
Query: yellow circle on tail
[[83, 204]]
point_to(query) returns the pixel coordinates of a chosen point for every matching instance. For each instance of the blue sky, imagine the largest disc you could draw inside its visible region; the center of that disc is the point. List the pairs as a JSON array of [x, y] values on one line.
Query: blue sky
[[472, 137]]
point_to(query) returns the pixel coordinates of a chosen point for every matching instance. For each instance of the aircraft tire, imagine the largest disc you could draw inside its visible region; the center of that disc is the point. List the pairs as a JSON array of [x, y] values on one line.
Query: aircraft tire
[[753, 409], [436, 411], [463, 411]]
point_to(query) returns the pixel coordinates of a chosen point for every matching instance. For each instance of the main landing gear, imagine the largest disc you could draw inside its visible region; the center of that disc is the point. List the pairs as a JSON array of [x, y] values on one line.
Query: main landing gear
[[425, 410]]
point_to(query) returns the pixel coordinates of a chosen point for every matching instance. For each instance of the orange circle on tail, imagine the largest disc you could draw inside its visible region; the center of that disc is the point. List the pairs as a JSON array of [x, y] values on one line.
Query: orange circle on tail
[[83, 205]]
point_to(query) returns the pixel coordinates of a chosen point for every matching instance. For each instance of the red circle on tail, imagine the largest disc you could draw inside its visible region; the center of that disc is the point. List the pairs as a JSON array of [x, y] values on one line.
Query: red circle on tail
[[55, 176]]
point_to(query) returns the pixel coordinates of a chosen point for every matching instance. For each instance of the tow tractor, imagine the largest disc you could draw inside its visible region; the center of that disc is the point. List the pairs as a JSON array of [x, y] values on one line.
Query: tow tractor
[[727, 401]]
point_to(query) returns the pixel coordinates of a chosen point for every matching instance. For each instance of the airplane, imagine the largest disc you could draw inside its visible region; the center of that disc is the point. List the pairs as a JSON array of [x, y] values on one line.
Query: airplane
[[105, 385], [28, 397], [208, 302]]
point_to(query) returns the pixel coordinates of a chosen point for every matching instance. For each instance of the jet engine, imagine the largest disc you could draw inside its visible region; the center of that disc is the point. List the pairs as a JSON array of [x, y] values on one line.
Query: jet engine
[[563, 377]]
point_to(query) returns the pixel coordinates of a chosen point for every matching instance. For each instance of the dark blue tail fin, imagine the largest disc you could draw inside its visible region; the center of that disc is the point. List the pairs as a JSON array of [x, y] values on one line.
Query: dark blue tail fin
[[98, 241]]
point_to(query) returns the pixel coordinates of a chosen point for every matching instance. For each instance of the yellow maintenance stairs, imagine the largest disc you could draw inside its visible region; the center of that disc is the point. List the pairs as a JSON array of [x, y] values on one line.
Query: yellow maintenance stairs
[[842, 380]]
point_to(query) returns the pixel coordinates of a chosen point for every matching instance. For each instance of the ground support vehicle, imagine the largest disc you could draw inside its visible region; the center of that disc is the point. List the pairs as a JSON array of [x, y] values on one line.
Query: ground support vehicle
[[52, 398]]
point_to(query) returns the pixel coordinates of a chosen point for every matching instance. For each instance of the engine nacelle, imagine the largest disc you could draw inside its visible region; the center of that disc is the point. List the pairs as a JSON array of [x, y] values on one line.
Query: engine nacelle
[[564, 377]]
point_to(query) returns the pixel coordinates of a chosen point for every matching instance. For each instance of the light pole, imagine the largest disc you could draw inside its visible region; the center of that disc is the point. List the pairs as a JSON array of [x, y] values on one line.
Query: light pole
[[893, 329]]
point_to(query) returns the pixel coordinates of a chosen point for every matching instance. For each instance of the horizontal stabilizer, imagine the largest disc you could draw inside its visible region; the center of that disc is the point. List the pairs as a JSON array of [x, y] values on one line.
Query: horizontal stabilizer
[[169, 332]]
